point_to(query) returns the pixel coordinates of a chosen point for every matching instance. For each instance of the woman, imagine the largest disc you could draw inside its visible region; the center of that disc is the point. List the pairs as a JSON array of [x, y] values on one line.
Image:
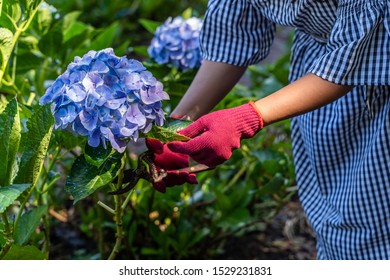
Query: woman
[[338, 99]]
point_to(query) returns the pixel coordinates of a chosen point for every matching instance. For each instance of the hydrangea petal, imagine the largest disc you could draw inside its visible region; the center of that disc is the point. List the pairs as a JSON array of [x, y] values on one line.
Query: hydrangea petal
[[88, 119], [114, 103], [135, 116], [152, 95], [94, 138], [76, 93], [115, 142]]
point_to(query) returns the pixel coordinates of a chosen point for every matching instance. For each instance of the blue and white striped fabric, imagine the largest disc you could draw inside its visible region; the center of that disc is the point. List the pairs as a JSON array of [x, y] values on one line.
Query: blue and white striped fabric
[[342, 150]]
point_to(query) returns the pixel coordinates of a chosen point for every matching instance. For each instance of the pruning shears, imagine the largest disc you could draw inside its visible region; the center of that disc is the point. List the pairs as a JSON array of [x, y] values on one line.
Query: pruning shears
[[147, 170]]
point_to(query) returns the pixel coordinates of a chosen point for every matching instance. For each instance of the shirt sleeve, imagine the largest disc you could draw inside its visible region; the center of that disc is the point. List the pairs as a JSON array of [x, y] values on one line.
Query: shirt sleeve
[[236, 33], [358, 49]]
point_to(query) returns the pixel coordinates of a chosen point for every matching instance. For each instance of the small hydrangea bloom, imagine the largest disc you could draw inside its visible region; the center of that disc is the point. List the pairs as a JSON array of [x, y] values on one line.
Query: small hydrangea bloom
[[176, 42], [106, 98]]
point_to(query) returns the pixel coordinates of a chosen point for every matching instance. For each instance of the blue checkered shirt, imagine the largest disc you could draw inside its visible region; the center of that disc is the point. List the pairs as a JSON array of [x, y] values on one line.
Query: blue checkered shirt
[[342, 150]]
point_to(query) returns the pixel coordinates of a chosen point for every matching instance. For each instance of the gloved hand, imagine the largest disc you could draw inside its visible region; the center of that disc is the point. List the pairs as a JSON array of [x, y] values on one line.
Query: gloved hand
[[217, 134], [165, 159]]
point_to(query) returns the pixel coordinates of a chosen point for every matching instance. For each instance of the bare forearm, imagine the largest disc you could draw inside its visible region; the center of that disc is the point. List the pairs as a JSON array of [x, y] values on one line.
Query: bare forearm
[[304, 95], [212, 82]]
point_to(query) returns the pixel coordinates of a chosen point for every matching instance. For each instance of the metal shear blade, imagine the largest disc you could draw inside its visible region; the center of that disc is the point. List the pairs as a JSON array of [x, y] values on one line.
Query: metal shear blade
[[147, 170]]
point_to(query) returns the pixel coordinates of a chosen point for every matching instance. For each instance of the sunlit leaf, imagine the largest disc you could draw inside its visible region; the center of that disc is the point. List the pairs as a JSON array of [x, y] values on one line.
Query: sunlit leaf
[[6, 37], [168, 132], [187, 13], [9, 141], [39, 126]]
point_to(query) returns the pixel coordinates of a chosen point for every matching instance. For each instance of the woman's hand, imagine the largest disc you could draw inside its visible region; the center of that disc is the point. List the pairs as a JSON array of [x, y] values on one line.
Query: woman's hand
[[170, 161], [216, 135]]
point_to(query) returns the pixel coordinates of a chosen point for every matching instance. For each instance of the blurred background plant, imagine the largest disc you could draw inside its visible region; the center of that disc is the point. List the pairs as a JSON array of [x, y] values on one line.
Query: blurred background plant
[[38, 217]]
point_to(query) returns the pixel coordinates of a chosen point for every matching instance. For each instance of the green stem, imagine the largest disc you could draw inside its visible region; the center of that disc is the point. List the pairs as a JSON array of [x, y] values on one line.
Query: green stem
[[236, 177], [42, 198], [46, 171], [46, 244], [14, 63], [11, 85], [118, 211], [119, 227], [106, 207], [23, 205], [8, 235], [127, 199], [100, 231]]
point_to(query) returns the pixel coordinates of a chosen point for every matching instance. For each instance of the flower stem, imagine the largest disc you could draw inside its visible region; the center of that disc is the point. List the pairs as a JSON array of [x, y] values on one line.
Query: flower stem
[[8, 236], [106, 207], [119, 227], [118, 211]]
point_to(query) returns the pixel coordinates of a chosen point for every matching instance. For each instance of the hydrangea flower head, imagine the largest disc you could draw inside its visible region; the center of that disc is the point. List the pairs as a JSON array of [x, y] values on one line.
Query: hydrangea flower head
[[176, 42], [106, 98]]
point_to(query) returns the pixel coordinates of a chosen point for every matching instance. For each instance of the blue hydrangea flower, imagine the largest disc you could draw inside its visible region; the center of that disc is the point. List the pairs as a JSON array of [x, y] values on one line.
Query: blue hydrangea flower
[[176, 42], [106, 98]]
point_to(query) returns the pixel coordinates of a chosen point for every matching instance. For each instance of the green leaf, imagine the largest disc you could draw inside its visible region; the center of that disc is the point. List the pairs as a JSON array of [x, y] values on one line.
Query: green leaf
[[14, 10], [24, 253], [9, 141], [28, 222], [76, 28], [67, 140], [187, 13], [150, 25], [141, 50], [105, 38], [49, 43], [28, 61], [6, 19], [97, 156], [9, 194], [43, 20], [85, 178], [272, 161], [148, 251], [273, 186], [6, 45], [235, 219], [40, 126], [168, 133]]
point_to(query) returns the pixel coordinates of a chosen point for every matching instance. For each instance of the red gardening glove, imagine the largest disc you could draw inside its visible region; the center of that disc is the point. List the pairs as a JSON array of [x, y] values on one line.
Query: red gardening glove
[[217, 134], [165, 159]]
